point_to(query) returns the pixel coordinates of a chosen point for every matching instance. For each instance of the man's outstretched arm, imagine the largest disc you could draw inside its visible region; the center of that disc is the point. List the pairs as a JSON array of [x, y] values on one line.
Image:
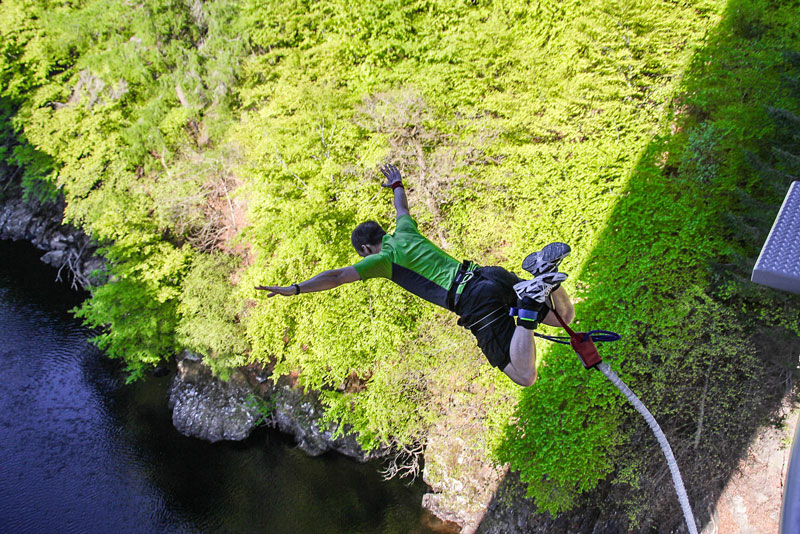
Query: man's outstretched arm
[[395, 181], [322, 282]]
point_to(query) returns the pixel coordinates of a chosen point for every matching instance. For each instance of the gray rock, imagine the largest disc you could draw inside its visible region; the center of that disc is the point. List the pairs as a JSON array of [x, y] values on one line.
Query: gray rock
[[61, 241], [300, 414], [205, 407], [66, 248], [54, 257]]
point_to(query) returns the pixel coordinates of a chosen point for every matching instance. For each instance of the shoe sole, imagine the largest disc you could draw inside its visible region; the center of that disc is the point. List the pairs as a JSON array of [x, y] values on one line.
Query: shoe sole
[[539, 296], [554, 252]]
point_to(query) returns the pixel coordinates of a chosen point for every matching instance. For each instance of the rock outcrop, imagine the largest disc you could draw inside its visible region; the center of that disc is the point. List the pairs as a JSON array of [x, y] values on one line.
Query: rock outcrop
[[205, 407], [462, 478], [66, 248], [300, 413]]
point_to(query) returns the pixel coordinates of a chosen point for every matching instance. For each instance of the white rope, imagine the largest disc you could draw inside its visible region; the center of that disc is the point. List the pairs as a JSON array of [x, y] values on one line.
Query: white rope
[[677, 481]]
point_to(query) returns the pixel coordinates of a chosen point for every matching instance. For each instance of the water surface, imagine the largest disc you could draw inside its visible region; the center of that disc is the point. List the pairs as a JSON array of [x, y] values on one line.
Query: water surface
[[82, 452]]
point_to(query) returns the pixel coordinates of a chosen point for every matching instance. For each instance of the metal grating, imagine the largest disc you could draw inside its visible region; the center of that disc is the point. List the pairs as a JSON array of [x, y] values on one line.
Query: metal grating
[[778, 265]]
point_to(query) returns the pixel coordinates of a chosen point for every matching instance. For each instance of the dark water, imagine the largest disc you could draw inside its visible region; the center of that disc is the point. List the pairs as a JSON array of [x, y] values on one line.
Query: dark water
[[82, 452]]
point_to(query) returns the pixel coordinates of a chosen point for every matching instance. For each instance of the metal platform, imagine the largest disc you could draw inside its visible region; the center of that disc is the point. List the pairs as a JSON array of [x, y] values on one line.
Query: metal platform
[[778, 265]]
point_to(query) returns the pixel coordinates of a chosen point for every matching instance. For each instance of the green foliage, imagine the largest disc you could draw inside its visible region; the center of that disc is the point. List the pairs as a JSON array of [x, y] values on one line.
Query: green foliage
[[747, 18], [37, 168], [210, 313], [700, 159], [21, 163], [563, 436], [7, 143], [264, 407], [109, 97], [617, 126], [135, 327], [488, 119], [665, 274]]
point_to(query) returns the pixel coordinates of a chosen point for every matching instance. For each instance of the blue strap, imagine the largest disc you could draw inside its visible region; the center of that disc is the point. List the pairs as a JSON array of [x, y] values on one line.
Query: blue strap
[[596, 335], [528, 315]]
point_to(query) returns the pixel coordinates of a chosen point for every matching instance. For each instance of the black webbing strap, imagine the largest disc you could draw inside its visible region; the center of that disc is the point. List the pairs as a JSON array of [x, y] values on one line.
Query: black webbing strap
[[464, 275]]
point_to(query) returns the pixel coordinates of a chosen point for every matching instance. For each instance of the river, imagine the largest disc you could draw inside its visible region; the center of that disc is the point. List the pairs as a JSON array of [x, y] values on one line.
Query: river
[[82, 452]]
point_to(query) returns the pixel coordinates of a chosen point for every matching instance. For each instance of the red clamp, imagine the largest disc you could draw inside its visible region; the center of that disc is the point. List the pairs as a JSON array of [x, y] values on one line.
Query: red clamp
[[582, 344]]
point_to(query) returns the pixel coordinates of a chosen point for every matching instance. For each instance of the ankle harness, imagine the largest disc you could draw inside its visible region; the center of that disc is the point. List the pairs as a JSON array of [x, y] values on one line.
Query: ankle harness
[[528, 315], [529, 319]]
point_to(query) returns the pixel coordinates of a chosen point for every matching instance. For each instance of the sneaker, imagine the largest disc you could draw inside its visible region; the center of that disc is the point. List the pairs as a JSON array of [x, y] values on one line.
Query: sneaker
[[546, 260], [540, 287]]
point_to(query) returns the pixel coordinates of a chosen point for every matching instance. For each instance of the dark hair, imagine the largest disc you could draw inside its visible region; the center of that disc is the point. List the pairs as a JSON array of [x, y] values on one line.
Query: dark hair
[[367, 233]]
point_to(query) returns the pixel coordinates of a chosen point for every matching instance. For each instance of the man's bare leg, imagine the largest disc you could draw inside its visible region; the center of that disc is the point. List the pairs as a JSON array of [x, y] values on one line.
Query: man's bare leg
[[541, 264], [522, 368]]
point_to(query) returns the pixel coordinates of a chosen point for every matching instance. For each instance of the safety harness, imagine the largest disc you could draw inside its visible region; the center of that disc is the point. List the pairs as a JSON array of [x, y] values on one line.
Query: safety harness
[[465, 273]]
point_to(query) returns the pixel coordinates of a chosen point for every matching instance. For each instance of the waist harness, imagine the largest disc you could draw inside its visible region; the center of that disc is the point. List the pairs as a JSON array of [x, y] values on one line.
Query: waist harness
[[465, 273]]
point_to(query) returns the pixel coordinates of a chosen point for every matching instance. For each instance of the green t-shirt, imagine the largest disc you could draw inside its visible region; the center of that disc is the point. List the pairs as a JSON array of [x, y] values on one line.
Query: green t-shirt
[[411, 261]]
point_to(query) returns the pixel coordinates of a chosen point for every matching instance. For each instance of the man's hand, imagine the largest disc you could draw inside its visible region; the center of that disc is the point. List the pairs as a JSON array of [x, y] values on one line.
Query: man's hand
[[395, 181], [277, 290], [392, 175]]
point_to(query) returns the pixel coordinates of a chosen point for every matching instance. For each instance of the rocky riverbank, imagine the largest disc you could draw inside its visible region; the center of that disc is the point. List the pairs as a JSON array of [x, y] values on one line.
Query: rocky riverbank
[[205, 407], [65, 247]]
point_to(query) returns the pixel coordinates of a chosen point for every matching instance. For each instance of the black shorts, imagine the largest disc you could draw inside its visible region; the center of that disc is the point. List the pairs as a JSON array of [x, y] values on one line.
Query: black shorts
[[483, 309]]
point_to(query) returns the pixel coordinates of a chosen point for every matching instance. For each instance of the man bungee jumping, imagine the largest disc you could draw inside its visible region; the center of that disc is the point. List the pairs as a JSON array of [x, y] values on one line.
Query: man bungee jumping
[[486, 299]]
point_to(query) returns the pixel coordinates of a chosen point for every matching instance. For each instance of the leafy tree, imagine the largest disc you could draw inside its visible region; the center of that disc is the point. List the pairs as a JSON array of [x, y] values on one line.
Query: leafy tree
[[210, 316]]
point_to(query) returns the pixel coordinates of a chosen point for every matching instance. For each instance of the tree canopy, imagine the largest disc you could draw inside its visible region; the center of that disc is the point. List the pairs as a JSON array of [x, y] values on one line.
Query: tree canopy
[[209, 147]]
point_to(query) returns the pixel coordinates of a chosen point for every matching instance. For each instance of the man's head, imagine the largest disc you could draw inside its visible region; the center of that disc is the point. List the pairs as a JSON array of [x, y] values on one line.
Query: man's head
[[367, 238]]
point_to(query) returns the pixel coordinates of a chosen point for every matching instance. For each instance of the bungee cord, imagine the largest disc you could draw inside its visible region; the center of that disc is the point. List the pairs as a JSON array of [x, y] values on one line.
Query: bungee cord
[[583, 345]]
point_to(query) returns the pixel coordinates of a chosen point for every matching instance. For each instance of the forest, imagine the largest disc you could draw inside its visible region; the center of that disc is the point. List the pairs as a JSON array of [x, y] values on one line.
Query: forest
[[210, 146]]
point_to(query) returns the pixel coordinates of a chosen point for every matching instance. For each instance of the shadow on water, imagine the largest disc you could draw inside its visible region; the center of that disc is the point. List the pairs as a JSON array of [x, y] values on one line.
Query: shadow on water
[[724, 356], [34, 282], [82, 450], [263, 484]]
